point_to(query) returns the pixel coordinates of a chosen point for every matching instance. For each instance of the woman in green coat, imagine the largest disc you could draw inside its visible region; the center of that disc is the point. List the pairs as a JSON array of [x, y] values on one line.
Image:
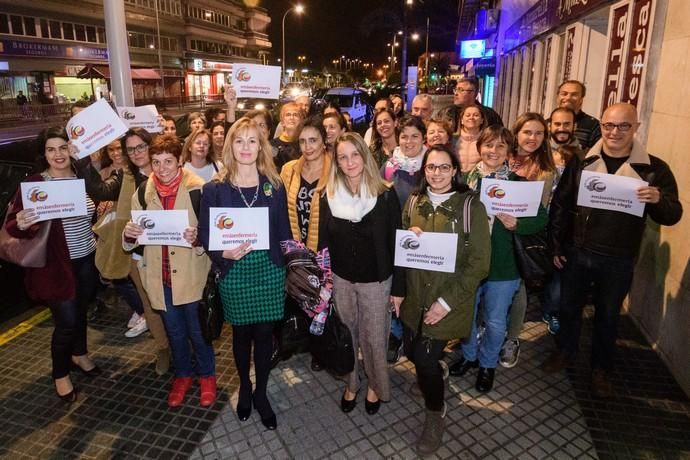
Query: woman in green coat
[[439, 305]]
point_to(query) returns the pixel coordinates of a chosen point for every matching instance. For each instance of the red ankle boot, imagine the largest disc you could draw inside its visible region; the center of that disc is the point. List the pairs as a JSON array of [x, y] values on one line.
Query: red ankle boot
[[207, 394], [180, 386]]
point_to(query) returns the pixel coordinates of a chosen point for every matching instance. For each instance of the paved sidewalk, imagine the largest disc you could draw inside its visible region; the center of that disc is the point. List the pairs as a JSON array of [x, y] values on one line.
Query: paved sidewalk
[[528, 415]]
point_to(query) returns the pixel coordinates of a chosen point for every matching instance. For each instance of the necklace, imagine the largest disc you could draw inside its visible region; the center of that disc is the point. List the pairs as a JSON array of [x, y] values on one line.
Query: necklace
[[256, 196]]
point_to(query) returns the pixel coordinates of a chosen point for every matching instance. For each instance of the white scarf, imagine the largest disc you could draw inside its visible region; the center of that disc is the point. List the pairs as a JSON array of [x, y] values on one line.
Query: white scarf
[[346, 206]]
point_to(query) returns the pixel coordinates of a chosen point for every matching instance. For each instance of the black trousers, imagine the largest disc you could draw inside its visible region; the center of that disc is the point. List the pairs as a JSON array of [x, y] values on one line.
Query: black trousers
[[261, 335], [425, 353], [69, 316]]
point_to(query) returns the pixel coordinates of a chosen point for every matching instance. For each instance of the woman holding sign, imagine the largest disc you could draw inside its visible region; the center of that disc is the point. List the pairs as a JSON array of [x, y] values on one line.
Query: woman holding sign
[[174, 276], [440, 306], [359, 215], [67, 283], [252, 282], [503, 281]]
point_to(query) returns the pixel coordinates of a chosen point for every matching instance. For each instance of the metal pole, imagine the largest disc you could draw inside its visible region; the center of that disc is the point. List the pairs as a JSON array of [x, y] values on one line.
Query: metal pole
[[426, 53], [403, 68], [283, 62], [160, 56], [118, 52]]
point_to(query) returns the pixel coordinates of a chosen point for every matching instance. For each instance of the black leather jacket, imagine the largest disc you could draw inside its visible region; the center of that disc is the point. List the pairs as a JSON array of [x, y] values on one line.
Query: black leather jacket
[[610, 233]]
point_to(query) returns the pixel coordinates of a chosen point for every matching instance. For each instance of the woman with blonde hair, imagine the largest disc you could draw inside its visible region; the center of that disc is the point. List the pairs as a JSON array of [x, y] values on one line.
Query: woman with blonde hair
[[360, 214], [251, 282], [195, 120], [198, 156]]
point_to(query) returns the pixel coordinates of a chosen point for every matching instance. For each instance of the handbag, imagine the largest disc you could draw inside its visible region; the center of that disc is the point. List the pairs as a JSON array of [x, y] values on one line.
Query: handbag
[[333, 349], [211, 309], [533, 258], [292, 332], [25, 252], [303, 278]]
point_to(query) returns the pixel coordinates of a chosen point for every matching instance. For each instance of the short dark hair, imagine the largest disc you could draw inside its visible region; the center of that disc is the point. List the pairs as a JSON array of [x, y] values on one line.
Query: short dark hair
[[268, 118], [456, 184], [167, 143], [210, 114], [574, 82], [496, 132], [412, 121], [562, 109], [80, 104], [316, 122], [167, 117], [144, 135], [474, 81], [48, 133], [338, 117]]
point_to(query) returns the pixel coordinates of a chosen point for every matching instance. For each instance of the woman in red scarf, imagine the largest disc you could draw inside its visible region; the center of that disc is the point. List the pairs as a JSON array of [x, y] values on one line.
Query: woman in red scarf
[[174, 276]]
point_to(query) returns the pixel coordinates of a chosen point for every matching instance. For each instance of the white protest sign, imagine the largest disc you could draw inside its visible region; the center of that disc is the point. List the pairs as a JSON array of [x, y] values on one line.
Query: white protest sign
[[517, 198], [608, 191], [430, 251], [231, 227], [55, 199], [254, 80], [162, 228], [145, 117], [94, 127]]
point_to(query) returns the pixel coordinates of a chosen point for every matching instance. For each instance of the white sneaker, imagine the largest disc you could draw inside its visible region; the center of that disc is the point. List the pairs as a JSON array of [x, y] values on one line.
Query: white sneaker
[[139, 328], [133, 320]]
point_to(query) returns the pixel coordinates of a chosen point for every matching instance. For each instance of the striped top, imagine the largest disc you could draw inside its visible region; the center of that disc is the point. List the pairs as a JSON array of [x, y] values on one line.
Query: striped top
[[80, 238]]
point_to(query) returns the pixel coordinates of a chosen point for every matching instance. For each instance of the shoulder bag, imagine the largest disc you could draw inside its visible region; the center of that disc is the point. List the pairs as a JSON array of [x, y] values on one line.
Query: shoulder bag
[[25, 252], [333, 349], [211, 309], [533, 258]]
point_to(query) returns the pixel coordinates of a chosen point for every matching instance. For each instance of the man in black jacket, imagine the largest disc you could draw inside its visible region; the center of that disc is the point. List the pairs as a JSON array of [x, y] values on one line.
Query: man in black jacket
[[571, 94], [466, 91], [597, 248]]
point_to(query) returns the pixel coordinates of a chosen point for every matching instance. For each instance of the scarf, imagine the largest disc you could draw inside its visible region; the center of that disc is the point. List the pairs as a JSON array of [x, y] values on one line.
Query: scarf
[[346, 206], [400, 161], [167, 192], [480, 171]]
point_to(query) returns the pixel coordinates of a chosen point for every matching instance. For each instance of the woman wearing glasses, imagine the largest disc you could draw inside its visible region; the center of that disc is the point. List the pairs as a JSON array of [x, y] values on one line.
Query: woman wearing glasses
[[120, 187], [198, 156], [439, 306]]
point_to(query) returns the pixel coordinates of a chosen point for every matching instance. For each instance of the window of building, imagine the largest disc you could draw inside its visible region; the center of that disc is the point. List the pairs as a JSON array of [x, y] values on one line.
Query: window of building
[[55, 30], [4, 24], [45, 33], [80, 32], [91, 34], [68, 30], [30, 26], [17, 25], [101, 35]]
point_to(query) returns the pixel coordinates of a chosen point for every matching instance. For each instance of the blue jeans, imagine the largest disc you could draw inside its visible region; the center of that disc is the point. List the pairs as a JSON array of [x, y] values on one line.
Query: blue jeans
[[182, 325], [609, 279], [498, 295], [125, 289]]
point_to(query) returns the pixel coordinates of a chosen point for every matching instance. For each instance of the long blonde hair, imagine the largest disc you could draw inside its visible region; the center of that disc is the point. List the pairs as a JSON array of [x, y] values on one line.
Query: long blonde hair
[[187, 147], [264, 161], [371, 178]]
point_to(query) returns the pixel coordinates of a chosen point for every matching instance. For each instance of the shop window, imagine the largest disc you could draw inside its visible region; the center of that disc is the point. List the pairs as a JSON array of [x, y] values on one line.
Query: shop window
[[30, 26], [80, 32], [4, 24], [55, 30], [68, 30], [17, 25]]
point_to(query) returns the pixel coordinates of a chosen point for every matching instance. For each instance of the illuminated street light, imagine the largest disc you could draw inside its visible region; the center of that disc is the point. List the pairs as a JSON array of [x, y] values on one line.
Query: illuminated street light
[[298, 9]]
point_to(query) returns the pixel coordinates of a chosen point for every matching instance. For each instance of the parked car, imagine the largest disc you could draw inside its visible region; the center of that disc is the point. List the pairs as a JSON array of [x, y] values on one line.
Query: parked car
[[353, 101]]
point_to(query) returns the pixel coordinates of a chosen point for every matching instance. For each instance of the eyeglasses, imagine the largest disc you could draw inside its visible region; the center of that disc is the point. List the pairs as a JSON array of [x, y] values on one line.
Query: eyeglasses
[[622, 127], [141, 148], [444, 168]]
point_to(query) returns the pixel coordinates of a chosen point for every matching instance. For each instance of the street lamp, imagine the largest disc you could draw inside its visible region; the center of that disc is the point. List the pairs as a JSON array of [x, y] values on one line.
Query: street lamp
[[298, 9], [393, 45]]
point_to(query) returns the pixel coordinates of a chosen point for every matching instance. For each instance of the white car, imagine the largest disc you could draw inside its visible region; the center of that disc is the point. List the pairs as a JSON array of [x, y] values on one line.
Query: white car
[[352, 101]]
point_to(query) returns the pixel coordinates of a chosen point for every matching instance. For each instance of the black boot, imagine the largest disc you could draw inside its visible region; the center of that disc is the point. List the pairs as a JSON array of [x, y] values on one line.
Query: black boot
[[485, 379]]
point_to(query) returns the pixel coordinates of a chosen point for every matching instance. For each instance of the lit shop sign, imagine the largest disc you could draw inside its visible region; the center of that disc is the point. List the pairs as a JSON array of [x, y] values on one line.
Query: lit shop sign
[[198, 65], [50, 50], [472, 49]]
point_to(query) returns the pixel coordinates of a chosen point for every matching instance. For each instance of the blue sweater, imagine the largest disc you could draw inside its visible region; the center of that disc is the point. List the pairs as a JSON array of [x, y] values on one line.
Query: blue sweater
[[223, 195]]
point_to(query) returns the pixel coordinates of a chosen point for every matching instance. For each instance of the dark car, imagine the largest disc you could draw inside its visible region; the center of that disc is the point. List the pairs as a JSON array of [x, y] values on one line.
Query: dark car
[[17, 159]]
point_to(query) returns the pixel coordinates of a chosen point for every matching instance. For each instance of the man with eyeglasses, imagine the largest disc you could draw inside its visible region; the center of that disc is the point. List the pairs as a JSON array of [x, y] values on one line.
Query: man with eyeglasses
[[596, 249], [571, 95], [466, 91]]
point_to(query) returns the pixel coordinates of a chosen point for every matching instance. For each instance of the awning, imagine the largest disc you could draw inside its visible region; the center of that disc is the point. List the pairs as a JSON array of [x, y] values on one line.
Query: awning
[[103, 71]]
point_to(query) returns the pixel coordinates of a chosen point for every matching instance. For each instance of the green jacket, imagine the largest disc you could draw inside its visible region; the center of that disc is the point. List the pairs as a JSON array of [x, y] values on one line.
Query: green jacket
[[458, 289]]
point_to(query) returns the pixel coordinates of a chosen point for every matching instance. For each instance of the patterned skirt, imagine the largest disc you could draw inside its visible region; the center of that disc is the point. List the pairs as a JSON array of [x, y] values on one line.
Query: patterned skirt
[[253, 291]]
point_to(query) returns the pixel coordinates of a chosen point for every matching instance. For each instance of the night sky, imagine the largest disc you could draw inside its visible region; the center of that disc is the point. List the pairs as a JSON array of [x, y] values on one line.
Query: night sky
[[357, 28]]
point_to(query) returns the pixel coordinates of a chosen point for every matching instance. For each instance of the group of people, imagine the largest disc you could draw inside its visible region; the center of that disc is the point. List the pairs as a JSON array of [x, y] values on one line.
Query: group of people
[[331, 189]]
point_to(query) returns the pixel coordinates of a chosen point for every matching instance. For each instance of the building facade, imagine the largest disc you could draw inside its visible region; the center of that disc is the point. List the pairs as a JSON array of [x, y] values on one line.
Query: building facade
[[177, 48]]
